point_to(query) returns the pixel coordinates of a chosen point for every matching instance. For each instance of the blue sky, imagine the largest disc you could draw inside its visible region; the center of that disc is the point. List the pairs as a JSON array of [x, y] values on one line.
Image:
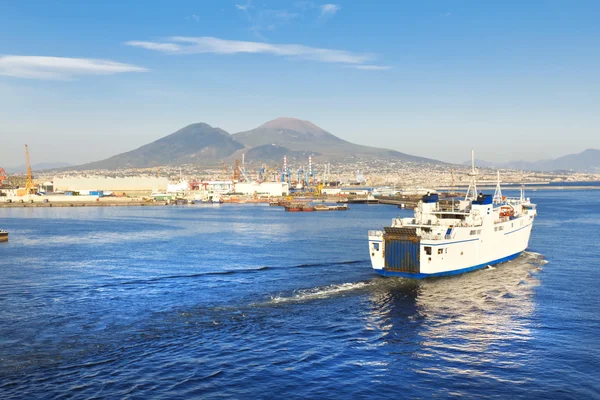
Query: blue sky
[[84, 80]]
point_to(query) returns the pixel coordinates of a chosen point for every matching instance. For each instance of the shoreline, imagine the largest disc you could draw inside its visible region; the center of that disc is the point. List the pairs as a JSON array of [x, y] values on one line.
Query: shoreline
[[80, 202]]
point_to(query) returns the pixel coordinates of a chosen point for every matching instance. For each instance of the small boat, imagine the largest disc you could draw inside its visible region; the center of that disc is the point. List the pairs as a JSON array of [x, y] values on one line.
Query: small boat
[[217, 199], [307, 208], [324, 207], [370, 199], [3, 235], [292, 207]]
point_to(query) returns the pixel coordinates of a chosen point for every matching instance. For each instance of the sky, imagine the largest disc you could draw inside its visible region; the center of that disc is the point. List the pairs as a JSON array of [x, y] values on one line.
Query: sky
[[84, 80]]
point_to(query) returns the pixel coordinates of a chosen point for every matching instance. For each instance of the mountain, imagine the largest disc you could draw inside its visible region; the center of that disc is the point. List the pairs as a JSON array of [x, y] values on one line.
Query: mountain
[[299, 135], [196, 143], [36, 167], [481, 163], [587, 161], [275, 153], [202, 144]]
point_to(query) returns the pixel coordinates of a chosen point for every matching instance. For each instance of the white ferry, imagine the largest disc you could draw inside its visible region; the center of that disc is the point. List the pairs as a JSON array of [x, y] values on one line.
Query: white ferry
[[456, 237]]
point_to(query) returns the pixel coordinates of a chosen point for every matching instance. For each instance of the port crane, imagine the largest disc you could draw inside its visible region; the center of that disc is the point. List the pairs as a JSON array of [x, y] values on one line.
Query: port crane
[[285, 172], [225, 170], [29, 188], [3, 177]]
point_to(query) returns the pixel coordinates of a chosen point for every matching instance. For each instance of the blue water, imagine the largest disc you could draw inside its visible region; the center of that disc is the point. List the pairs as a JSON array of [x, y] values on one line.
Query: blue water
[[248, 301]]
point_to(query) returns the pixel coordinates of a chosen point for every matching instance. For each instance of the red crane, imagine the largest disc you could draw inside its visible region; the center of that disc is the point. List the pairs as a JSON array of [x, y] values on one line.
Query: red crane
[[3, 177]]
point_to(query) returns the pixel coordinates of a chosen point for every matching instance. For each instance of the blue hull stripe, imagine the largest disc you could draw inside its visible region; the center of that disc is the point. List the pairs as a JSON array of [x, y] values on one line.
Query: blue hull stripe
[[447, 243], [447, 273], [516, 230]]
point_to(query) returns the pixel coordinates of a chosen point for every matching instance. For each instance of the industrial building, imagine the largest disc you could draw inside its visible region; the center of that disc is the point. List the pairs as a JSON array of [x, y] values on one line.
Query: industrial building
[[356, 191], [264, 189], [141, 183]]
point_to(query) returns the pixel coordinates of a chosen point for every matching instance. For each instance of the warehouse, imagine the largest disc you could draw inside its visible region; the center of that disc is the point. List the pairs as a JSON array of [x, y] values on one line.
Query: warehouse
[[264, 189], [140, 183]]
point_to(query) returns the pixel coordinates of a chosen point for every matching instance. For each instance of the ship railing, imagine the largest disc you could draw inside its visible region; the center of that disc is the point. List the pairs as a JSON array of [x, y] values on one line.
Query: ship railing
[[376, 233], [513, 200], [431, 236]]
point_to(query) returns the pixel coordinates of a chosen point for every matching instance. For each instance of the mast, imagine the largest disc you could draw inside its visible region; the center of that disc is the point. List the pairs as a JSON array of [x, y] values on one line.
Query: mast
[[522, 187], [498, 192], [472, 190]]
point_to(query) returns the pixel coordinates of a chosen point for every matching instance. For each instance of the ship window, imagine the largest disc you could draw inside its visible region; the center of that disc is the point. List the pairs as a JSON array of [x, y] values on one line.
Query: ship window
[[440, 251], [376, 246], [446, 251], [496, 229], [501, 228], [428, 250], [473, 232], [479, 231]]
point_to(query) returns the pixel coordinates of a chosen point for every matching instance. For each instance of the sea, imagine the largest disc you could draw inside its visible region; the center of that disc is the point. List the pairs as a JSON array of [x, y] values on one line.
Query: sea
[[250, 301]]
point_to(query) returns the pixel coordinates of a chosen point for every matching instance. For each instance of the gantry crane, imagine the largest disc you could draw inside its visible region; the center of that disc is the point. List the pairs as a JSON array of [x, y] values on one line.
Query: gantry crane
[[29, 188]]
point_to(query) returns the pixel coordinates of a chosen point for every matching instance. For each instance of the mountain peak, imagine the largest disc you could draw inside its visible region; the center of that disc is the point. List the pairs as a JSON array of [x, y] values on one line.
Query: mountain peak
[[293, 124]]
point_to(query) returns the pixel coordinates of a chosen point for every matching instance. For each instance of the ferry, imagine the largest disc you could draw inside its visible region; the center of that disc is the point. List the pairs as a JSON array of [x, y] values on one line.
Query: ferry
[[3, 235], [448, 239]]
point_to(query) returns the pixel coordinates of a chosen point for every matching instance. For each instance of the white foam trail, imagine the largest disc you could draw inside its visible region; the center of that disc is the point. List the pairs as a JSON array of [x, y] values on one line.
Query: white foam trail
[[320, 292], [532, 253]]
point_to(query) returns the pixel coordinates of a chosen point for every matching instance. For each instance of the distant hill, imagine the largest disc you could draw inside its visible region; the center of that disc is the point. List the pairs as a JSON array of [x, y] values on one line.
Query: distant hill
[[481, 163], [299, 135], [36, 167], [587, 161], [202, 144], [196, 143]]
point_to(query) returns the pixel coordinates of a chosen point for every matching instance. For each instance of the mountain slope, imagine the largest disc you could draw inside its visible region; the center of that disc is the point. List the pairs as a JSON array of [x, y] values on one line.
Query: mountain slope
[[299, 135], [37, 167], [196, 143], [275, 153], [587, 161], [292, 133]]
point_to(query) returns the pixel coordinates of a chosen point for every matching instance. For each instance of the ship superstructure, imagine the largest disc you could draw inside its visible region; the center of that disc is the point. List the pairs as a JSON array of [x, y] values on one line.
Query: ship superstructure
[[455, 236]]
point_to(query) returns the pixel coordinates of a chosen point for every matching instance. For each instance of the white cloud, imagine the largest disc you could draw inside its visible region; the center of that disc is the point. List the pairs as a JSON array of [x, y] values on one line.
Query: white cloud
[[328, 10], [242, 7], [60, 68], [164, 47], [197, 45], [373, 67]]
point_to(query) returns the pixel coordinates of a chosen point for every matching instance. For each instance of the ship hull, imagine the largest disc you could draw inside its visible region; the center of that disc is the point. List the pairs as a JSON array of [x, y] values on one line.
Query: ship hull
[[460, 271], [417, 258], [3, 236]]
